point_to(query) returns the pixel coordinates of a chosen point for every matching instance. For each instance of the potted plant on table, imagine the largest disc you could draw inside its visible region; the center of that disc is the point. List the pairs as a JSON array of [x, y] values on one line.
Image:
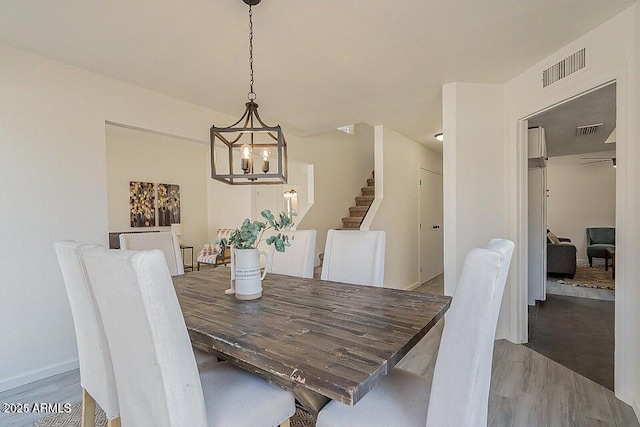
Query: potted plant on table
[[245, 257]]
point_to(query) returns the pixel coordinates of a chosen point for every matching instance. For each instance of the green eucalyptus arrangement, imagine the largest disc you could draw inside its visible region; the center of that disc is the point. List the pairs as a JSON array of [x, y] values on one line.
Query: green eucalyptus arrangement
[[250, 234]]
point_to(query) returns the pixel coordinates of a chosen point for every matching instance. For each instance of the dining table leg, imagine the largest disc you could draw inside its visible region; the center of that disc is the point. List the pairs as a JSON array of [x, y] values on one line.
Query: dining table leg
[[310, 401]]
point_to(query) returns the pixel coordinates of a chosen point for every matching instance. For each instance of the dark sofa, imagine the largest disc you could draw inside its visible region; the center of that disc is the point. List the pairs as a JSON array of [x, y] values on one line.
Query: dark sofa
[[561, 257]]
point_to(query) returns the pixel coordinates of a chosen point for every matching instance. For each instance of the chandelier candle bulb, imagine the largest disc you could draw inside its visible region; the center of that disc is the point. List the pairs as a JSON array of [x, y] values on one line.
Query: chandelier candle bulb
[[265, 153], [245, 156]]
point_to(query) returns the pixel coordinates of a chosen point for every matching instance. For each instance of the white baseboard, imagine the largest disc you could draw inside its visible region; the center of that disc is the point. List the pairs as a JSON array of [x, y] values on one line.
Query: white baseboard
[[635, 404], [629, 400], [501, 334], [412, 286], [38, 374]]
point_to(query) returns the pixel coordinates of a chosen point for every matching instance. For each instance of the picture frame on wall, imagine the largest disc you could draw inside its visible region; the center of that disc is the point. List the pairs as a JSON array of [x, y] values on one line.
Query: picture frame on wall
[[142, 204], [168, 204]]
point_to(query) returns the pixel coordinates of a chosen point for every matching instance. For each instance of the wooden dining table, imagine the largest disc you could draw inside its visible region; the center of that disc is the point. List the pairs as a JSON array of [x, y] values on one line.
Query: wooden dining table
[[321, 340]]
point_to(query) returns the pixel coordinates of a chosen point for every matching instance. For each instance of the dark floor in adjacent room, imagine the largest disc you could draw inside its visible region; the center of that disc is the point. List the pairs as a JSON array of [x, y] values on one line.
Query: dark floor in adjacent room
[[577, 333]]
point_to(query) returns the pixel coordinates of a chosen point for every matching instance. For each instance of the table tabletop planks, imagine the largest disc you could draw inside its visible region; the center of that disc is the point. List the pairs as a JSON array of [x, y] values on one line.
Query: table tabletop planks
[[322, 340]]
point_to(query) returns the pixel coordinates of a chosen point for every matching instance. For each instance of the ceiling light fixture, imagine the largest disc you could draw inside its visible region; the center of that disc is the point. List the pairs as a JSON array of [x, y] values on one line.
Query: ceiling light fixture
[[439, 136], [250, 140]]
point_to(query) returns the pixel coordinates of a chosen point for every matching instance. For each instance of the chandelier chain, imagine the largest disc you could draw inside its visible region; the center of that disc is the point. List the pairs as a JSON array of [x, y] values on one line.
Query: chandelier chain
[[251, 95]]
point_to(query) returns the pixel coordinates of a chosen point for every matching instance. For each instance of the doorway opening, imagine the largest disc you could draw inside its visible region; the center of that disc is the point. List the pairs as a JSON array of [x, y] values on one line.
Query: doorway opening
[[571, 233]]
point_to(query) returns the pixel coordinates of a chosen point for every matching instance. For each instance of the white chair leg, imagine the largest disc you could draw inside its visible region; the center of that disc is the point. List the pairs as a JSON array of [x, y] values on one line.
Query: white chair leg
[[88, 410]]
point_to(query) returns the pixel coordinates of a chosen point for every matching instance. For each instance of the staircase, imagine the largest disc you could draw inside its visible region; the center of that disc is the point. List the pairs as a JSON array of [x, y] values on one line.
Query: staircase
[[356, 215], [363, 202]]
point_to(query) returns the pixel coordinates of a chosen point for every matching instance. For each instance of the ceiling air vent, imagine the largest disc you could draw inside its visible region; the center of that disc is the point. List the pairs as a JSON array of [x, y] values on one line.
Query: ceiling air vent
[[564, 68], [588, 129]]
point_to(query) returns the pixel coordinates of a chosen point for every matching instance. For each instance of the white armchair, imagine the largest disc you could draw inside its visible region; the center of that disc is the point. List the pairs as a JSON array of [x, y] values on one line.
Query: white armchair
[[212, 254]]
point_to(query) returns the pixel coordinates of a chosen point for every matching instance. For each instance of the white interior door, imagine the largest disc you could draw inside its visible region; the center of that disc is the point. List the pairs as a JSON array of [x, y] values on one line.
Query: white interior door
[[431, 234], [537, 235]]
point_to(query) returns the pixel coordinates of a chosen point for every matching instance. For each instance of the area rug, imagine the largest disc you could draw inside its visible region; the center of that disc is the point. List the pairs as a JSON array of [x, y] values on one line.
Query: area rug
[[591, 277], [72, 419]]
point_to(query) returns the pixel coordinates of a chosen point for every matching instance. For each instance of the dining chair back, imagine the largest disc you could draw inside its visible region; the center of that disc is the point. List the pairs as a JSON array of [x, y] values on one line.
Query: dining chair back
[[458, 394], [462, 374], [157, 378], [355, 257], [297, 259], [96, 370], [169, 244], [166, 241]]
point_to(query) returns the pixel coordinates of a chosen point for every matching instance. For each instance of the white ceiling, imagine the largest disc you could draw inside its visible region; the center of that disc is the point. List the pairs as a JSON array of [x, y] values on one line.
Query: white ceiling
[[318, 64], [560, 123]]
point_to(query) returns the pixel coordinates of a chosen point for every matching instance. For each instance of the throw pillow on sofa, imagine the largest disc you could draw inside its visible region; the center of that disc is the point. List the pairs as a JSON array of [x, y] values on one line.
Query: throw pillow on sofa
[[553, 238]]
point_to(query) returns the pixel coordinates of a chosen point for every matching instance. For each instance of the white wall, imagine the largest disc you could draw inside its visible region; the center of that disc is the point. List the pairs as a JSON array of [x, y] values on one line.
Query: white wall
[[153, 158], [629, 314], [580, 196], [53, 161], [342, 164], [398, 212], [612, 54], [301, 179], [228, 206], [474, 173], [53, 165]]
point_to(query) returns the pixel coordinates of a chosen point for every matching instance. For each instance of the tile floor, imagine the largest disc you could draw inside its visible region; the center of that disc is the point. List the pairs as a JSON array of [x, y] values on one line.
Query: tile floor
[[577, 333]]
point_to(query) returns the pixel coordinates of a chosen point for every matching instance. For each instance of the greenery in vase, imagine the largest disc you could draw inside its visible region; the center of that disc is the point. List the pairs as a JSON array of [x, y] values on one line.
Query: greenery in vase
[[250, 234]]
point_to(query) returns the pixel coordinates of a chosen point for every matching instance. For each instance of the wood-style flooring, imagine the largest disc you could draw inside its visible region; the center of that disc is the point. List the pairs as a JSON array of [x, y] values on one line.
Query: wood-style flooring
[[527, 388]]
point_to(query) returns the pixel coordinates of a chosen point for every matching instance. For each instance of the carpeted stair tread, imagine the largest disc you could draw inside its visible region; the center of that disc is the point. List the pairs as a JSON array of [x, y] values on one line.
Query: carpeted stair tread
[[364, 200]]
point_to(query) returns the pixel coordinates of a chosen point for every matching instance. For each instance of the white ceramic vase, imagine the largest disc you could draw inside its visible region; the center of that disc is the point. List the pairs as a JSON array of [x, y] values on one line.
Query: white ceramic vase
[[246, 266]]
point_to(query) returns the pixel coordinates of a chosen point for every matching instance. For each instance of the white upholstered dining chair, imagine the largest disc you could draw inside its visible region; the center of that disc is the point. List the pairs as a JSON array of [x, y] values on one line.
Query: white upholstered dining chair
[[169, 243], [166, 241], [96, 371], [158, 383], [355, 257], [297, 259], [459, 392]]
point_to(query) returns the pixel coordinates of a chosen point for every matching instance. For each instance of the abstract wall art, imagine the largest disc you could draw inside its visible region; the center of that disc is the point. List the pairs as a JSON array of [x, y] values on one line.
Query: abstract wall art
[[168, 204], [142, 202]]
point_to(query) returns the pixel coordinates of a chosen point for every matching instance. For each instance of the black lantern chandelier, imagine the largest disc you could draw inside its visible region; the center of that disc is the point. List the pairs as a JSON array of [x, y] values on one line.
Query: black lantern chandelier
[[252, 149]]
